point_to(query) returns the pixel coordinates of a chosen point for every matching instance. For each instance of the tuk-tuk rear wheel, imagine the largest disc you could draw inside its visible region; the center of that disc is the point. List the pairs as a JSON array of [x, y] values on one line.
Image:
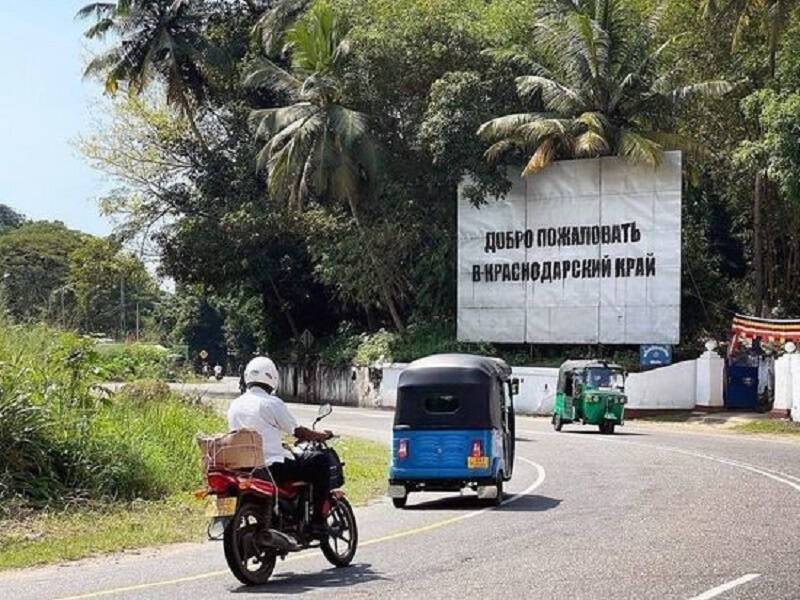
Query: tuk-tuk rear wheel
[[607, 427], [557, 422], [400, 502], [498, 500]]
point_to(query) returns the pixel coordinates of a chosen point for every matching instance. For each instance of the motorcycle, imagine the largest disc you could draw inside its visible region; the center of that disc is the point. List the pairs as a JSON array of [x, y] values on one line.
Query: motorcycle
[[264, 521]]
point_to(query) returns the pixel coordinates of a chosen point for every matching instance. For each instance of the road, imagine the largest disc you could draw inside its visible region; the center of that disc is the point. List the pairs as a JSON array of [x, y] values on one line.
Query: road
[[648, 513]]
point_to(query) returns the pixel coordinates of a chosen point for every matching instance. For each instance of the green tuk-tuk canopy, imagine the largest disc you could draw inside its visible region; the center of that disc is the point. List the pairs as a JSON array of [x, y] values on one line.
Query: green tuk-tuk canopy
[[570, 366]]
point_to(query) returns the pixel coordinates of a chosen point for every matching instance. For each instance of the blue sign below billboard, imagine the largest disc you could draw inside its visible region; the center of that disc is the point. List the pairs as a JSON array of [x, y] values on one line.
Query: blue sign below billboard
[[655, 355]]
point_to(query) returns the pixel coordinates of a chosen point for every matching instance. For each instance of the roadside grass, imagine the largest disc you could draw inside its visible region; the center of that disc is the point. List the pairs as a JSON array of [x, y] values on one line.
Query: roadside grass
[[769, 426], [49, 536]]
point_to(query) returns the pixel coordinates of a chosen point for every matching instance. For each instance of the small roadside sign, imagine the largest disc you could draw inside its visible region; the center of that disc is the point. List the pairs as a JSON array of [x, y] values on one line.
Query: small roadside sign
[[655, 355], [203, 354]]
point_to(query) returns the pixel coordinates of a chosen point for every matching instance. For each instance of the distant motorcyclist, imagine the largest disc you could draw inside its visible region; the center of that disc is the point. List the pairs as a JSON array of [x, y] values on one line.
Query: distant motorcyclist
[[217, 372], [260, 409]]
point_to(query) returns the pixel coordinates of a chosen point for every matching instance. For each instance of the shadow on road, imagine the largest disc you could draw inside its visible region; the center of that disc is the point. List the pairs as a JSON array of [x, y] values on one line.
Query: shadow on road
[[299, 583], [595, 432], [526, 503]]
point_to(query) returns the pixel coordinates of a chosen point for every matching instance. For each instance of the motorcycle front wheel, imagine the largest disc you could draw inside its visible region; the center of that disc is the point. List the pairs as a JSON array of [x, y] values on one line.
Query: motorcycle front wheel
[[340, 545], [248, 560]]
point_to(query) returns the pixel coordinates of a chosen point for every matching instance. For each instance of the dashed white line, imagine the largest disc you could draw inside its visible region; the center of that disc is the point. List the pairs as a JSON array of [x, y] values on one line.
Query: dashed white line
[[721, 589]]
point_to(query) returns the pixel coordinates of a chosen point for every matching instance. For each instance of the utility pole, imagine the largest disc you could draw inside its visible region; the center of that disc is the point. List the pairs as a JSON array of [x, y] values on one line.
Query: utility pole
[[122, 307]]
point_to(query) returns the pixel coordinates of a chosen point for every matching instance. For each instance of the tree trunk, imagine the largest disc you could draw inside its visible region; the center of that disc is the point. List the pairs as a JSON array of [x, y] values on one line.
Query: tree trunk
[[282, 307], [370, 317], [758, 258], [189, 114], [386, 293]]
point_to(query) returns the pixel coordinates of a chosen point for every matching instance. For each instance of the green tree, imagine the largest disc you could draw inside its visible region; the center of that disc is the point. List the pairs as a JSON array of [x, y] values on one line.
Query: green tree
[[316, 144], [602, 88], [772, 15], [9, 218], [157, 41], [112, 289], [35, 267]]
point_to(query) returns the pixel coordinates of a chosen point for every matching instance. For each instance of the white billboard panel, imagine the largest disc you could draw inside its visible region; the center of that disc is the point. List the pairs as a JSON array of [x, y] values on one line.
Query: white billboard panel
[[586, 251]]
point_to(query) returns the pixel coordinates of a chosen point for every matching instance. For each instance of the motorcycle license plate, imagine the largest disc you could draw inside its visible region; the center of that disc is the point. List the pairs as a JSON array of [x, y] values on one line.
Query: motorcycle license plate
[[220, 507], [478, 462]]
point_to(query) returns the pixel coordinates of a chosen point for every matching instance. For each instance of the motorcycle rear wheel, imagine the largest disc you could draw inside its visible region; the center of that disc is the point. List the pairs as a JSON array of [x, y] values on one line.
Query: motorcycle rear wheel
[[340, 546], [248, 563]]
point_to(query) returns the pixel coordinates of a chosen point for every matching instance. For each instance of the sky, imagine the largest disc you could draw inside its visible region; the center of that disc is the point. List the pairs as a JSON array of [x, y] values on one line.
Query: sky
[[44, 105]]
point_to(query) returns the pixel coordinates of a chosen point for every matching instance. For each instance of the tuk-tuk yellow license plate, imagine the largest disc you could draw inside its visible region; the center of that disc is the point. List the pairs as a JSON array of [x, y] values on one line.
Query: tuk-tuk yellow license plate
[[477, 462], [220, 507]]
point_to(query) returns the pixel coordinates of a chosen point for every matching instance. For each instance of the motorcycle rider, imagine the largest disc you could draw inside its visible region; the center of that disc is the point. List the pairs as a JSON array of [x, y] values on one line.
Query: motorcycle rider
[[260, 409]]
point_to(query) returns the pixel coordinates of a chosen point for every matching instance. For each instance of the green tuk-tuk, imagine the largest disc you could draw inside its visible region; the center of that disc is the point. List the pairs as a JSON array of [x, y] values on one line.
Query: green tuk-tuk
[[592, 392]]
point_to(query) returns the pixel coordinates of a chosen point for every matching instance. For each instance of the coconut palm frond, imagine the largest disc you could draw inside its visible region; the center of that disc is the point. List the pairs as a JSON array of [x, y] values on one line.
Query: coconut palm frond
[[273, 23], [555, 97], [497, 150], [533, 133], [706, 89], [542, 157], [638, 149], [674, 141], [508, 124], [590, 144], [266, 73], [594, 121]]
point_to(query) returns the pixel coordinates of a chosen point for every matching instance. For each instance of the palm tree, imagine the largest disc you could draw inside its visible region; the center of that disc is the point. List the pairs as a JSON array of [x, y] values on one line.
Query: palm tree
[[316, 144], [773, 14], [600, 85], [156, 40]]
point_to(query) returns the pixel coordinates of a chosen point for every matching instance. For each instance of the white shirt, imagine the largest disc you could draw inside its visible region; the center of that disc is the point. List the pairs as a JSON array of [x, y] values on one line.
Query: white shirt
[[269, 416]]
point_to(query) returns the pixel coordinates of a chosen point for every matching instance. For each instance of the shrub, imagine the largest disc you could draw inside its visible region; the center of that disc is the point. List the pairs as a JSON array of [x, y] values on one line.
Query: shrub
[[129, 362], [61, 440]]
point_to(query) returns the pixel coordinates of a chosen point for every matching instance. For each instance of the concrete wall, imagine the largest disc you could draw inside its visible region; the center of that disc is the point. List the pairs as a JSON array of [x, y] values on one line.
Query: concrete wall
[[340, 385], [667, 388], [681, 386]]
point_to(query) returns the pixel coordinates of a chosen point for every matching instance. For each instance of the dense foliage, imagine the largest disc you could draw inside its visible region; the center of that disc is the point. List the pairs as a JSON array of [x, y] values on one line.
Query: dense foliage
[[63, 440], [295, 163], [75, 280]]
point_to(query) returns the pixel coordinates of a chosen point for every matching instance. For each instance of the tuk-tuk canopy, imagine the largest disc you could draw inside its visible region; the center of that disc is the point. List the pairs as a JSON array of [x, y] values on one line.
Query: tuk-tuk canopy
[[571, 366], [452, 391]]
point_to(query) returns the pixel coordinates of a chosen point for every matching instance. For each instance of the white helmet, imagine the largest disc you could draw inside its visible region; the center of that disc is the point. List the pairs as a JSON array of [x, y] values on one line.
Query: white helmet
[[262, 370]]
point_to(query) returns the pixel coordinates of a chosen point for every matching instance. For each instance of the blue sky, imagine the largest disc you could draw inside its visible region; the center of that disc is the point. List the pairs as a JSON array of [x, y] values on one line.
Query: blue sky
[[44, 106]]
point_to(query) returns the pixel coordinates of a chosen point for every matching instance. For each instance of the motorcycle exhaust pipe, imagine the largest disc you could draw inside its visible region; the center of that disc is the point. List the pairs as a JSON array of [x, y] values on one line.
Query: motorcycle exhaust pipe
[[280, 541]]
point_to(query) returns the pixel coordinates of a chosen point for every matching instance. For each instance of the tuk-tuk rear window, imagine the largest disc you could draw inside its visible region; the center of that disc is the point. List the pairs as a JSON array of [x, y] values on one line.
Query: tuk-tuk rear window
[[442, 403]]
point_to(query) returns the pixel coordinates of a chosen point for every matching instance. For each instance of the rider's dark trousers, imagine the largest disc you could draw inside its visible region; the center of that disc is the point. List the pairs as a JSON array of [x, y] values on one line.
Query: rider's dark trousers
[[313, 468]]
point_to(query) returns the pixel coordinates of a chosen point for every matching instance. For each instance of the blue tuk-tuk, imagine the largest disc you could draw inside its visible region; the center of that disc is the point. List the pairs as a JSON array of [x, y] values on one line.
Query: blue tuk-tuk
[[453, 427]]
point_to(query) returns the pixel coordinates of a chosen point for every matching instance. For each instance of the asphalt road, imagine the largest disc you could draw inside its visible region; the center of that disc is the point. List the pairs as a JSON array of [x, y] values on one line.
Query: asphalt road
[[647, 513]]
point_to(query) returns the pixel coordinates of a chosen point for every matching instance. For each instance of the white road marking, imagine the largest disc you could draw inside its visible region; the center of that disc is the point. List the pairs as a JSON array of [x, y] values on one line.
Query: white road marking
[[721, 589], [785, 478]]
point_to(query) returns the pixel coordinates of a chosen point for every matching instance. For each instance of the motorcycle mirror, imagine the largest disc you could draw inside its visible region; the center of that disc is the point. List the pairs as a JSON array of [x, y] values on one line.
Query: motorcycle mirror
[[324, 411]]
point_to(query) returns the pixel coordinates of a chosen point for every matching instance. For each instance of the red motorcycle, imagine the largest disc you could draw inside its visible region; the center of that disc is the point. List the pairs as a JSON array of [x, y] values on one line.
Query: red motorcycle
[[264, 521]]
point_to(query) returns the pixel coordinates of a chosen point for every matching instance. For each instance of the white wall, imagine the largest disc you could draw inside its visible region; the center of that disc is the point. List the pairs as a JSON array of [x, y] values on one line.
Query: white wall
[[537, 389], [673, 387], [387, 393]]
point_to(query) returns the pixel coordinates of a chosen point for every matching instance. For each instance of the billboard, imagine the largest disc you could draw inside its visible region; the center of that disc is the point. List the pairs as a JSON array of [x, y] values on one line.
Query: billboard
[[585, 251]]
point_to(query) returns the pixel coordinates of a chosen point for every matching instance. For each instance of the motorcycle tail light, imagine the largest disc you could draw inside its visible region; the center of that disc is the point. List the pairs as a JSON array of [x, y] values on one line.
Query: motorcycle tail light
[[477, 449], [402, 449], [218, 483]]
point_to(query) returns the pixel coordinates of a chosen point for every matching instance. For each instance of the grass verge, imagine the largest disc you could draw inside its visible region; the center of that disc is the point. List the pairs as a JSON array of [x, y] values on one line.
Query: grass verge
[[769, 426], [44, 537]]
